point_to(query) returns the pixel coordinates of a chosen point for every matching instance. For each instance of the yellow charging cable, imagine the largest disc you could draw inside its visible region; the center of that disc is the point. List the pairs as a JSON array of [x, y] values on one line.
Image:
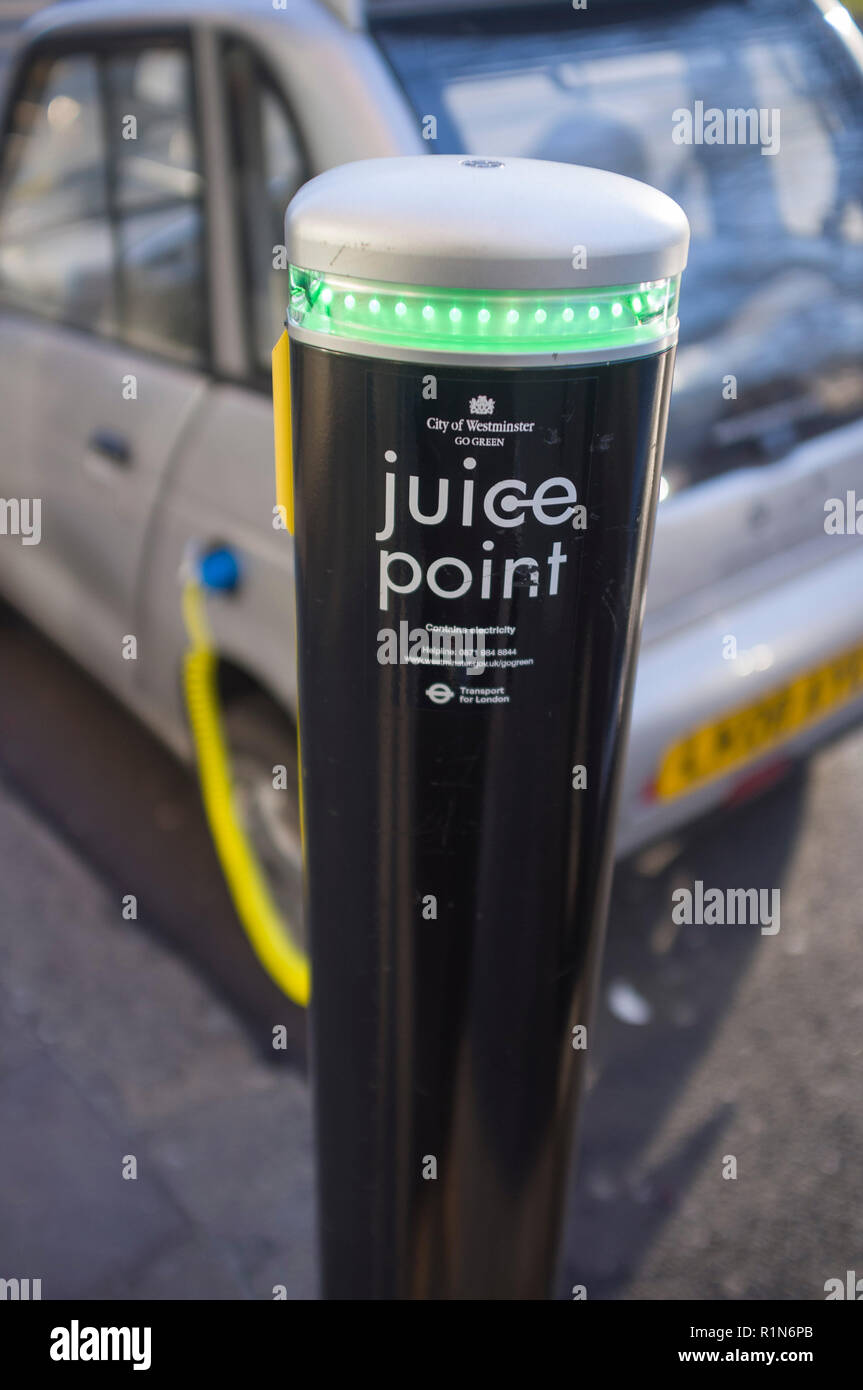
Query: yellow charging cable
[[268, 933]]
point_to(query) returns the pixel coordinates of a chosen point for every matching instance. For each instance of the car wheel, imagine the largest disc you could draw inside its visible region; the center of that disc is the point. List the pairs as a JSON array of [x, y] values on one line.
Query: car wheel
[[260, 738]]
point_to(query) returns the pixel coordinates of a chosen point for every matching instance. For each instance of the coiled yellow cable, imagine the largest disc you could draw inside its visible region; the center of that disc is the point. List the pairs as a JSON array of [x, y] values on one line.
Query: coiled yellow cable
[[268, 933]]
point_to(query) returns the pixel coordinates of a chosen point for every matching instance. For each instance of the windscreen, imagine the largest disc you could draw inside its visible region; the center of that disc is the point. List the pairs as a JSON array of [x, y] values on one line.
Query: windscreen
[[750, 115]]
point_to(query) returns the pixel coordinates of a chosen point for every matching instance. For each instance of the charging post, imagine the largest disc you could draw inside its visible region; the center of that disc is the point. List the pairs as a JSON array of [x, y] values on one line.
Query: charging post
[[480, 366]]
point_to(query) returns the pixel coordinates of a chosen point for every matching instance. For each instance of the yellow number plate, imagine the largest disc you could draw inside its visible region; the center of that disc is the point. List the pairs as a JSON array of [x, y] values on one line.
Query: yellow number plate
[[745, 734]]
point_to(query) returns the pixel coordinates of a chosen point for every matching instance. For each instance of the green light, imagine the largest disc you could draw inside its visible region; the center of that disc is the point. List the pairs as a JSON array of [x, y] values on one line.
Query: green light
[[483, 321]]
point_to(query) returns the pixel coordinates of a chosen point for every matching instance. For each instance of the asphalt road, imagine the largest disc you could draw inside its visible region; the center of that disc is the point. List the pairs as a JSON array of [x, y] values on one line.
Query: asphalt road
[[153, 1038]]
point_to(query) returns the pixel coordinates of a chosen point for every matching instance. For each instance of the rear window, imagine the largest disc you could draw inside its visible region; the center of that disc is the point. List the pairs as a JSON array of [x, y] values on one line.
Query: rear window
[[772, 295]]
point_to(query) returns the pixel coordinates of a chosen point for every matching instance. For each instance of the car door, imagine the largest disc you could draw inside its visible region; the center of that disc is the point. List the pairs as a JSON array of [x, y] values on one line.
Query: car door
[[222, 488], [103, 331]]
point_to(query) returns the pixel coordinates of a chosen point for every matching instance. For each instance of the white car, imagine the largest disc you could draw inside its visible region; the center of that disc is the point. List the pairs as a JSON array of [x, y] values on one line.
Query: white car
[[148, 153]]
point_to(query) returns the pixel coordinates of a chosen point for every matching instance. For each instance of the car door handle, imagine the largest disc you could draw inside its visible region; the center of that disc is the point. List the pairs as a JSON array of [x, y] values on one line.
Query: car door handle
[[112, 447]]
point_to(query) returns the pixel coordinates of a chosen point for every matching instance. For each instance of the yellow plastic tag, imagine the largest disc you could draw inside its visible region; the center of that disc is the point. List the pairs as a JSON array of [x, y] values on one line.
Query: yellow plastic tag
[[282, 427]]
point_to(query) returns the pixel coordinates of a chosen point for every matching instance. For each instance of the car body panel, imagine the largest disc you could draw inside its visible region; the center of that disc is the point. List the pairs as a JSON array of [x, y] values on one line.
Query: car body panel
[[80, 582], [222, 493], [725, 534], [685, 680]]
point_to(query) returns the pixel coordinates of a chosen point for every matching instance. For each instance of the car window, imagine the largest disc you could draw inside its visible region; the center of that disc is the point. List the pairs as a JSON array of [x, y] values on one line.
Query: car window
[[156, 201], [55, 240], [268, 167], [101, 212], [774, 195]]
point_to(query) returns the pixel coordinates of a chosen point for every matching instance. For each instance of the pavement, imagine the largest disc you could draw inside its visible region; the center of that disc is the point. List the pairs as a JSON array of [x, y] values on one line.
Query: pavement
[[149, 1039], [111, 1050], [750, 1047]]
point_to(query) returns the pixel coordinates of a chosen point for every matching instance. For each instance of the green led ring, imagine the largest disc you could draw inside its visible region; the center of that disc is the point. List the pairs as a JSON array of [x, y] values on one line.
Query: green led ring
[[483, 321]]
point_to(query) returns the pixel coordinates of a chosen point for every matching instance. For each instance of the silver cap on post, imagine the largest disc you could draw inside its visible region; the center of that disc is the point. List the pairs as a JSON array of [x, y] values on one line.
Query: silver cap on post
[[486, 226], [493, 224]]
